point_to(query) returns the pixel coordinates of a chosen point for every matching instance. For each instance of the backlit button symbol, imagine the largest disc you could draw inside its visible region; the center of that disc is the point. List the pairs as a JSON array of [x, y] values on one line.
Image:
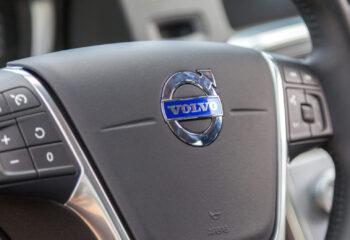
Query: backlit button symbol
[[15, 161], [293, 74], [20, 99], [50, 157], [214, 215], [39, 133], [308, 77], [6, 140], [293, 100], [296, 125]]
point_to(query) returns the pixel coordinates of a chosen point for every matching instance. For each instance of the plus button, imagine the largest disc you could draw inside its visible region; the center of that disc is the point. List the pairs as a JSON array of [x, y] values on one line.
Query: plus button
[[6, 140]]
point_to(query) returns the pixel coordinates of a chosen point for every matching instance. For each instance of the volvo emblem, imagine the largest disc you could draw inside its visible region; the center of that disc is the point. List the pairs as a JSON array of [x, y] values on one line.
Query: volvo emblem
[[177, 110]]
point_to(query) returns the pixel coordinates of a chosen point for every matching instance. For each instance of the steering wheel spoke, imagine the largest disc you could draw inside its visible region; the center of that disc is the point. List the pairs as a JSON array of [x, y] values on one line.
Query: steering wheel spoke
[[308, 117]]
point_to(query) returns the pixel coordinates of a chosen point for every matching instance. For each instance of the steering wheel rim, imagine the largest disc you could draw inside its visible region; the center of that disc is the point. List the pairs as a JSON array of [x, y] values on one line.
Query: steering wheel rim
[[328, 23]]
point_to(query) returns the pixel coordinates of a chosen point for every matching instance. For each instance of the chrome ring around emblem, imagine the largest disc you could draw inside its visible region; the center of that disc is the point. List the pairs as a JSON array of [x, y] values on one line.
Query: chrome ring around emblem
[[209, 106]]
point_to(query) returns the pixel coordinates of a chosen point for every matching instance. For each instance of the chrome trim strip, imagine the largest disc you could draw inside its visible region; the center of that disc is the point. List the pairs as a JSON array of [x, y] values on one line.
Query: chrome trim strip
[[280, 224], [88, 199]]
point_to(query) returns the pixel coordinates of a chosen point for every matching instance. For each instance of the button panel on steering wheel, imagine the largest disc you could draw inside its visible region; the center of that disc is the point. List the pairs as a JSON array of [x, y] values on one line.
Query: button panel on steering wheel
[[31, 145], [308, 114]]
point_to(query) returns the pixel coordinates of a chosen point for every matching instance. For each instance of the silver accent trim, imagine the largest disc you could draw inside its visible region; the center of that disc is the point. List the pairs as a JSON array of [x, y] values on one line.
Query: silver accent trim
[[88, 199], [43, 25], [280, 223], [287, 37]]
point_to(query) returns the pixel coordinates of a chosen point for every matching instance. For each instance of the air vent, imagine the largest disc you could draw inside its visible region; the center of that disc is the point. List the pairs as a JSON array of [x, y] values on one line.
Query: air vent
[[179, 27]]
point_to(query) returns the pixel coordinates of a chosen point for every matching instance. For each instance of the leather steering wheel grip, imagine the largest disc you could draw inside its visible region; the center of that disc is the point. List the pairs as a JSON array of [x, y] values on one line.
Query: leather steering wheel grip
[[328, 22]]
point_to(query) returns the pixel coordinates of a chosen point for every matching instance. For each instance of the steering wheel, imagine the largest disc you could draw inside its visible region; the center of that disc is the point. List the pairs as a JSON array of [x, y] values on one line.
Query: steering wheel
[[178, 140]]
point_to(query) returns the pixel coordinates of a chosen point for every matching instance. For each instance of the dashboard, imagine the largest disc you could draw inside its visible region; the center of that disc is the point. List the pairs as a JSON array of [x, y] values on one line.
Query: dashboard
[[43, 26], [14, 30]]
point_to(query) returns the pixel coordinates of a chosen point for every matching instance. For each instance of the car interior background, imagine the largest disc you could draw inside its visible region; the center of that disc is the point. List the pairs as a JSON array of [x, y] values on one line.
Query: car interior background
[[35, 27]]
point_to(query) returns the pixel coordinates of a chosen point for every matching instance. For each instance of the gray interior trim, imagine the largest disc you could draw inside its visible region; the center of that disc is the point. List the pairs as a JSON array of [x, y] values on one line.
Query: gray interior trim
[[144, 18], [43, 26], [309, 204], [282, 157], [88, 200], [288, 37], [293, 222]]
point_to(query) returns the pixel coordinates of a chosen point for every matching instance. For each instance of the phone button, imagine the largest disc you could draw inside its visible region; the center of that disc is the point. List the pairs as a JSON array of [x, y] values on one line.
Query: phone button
[[52, 160], [4, 108]]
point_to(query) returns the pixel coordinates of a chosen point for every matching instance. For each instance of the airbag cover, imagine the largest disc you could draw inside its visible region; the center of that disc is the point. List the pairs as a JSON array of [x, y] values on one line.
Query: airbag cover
[[163, 187]]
